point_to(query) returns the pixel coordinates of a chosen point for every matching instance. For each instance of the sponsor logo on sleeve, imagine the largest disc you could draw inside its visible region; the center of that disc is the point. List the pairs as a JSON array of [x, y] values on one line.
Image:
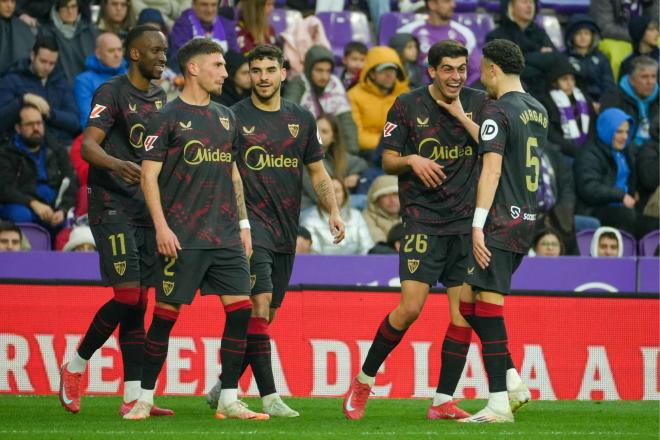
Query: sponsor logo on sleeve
[[388, 129], [96, 111], [489, 130], [149, 142]]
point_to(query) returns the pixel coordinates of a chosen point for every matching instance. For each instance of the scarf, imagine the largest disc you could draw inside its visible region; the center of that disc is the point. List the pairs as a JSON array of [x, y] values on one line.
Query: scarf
[[44, 191], [68, 30], [217, 32], [622, 172], [641, 133], [569, 120], [545, 195]]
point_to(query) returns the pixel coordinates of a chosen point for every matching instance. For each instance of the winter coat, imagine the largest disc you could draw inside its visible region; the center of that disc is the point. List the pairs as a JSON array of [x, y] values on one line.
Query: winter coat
[[613, 18], [378, 221], [16, 41], [648, 166], [398, 42], [369, 106], [87, 82], [637, 28], [170, 9], [63, 122], [356, 242]]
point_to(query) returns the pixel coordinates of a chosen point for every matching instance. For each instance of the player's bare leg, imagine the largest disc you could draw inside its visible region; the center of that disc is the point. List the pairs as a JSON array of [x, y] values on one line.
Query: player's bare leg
[[388, 336]]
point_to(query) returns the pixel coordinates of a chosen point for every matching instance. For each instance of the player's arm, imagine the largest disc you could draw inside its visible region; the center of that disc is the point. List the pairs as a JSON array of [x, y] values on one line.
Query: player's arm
[[95, 155], [491, 171], [166, 240], [429, 172], [243, 222], [325, 195]]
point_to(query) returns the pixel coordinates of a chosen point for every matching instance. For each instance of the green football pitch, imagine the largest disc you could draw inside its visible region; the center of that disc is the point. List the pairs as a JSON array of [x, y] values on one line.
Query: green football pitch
[[41, 417]]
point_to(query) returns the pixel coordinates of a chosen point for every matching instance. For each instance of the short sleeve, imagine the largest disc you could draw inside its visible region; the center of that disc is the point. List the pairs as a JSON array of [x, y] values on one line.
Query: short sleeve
[[493, 130], [395, 131], [157, 140], [104, 108], [313, 147]]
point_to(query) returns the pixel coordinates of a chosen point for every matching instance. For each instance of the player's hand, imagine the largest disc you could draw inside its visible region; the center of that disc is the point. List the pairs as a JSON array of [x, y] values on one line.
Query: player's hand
[[429, 172], [39, 102], [455, 108], [246, 239], [479, 249], [167, 242], [57, 218], [43, 211], [337, 227], [628, 201], [128, 171]]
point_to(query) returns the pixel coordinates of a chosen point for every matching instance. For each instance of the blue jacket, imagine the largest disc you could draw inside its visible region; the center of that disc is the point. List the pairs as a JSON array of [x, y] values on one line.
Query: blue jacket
[[87, 82], [63, 120]]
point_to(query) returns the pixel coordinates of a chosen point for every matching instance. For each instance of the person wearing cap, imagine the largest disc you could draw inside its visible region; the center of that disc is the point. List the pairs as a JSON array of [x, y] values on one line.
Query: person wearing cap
[[237, 85], [80, 240], [170, 9], [582, 37], [382, 80], [383, 207], [644, 34], [153, 17]]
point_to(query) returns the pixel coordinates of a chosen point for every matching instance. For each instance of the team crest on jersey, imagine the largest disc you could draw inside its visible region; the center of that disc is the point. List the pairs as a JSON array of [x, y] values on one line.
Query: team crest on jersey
[[413, 265], [388, 129], [132, 107], [120, 267], [96, 111], [469, 115], [158, 104], [168, 287], [422, 122], [293, 129], [186, 126], [149, 142], [224, 122], [253, 281], [470, 270], [247, 130]]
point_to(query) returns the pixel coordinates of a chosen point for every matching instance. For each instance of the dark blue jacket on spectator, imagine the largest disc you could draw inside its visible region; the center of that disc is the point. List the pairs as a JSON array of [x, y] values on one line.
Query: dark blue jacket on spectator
[[87, 82], [63, 121]]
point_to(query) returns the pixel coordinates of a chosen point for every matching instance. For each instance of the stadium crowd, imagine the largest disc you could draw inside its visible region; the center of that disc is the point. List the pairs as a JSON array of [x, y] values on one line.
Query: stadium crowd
[[593, 66]]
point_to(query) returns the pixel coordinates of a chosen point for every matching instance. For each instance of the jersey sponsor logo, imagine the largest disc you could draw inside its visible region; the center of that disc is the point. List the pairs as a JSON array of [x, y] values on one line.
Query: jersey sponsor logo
[[489, 130], [224, 122], [194, 153], [257, 158], [149, 142], [159, 104], [96, 111], [168, 287], [294, 129], [120, 267], [388, 129], [132, 108], [422, 122], [431, 149], [136, 135], [185, 125], [413, 265], [247, 130], [514, 211]]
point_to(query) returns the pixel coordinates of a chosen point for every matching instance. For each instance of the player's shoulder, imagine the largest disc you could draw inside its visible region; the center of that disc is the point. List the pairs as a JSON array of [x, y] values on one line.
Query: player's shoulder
[[113, 87], [414, 96], [295, 109], [473, 96]]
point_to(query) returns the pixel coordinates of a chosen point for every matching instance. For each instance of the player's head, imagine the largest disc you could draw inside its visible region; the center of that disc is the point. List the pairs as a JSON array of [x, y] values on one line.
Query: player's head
[[501, 59], [10, 237], [266, 71], [202, 61], [146, 48], [448, 67]]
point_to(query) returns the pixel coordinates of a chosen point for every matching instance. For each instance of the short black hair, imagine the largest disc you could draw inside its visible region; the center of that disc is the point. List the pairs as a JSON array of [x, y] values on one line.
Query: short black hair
[[62, 3], [44, 42], [505, 54], [304, 233], [547, 231], [135, 33], [355, 46], [446, 48], [266, 51], [195, 47], [6, 225]]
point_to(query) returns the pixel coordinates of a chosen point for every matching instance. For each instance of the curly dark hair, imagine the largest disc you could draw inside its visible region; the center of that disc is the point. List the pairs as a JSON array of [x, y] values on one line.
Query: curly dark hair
[[505, 54], [266, 51], [446, 48]]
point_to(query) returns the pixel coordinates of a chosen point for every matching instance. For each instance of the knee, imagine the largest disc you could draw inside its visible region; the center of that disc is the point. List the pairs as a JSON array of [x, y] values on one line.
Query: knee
[[261, 306], [409, 312], [129, 296]]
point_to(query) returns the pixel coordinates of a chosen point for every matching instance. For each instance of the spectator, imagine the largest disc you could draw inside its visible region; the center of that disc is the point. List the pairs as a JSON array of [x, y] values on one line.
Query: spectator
[[606, 178], [116, 16], [170, 9], [37, 183], [253, 25], [607, 242], [440, 26], [593, 67], [379, 7], [613, 17], [517, 25], [357, 240], [16, 37], [547, 243], [648, 164], [37, 81], [237, 85], [74, 34], [570, 112], [637, 95], [407, 46], [299, 38], [393, 243], [10, 237], [37, 12], [337, 160], [644, 36], [381, 81], [322, 93], [303, 241], [80, 240], [107, 61], [355, 54], [383, 208]]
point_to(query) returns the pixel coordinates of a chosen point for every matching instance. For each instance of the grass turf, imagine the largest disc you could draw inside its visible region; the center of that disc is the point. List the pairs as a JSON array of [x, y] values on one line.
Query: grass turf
[[32, 417]]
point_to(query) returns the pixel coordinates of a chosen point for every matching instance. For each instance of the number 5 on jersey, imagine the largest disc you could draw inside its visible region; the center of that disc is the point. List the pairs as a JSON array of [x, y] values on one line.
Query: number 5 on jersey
[[532, 161]]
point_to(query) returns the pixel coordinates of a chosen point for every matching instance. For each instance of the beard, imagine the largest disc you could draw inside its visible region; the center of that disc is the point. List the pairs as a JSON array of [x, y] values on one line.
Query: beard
[[33, 141], [148, 74], [266, 98]]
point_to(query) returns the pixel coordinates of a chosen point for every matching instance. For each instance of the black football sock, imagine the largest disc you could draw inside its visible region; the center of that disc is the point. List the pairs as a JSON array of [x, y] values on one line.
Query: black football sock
[[489, 325], [387, 338], [232, 349], [454, 351], [259, 355], [131, 339], [155, 345]]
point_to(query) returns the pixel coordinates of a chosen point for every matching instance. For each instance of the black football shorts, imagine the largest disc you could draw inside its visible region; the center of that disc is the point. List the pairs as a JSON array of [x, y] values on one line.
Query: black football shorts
[[270, 272], [497, 276]]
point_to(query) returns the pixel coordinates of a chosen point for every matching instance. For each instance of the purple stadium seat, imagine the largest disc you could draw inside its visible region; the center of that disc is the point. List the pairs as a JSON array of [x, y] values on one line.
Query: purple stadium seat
[[344, 27], [649, 243], [552, 27], [479, 23], [38, 237], [490, 5], [584, 243], [281, 19], [466, 5], [389, 23], [566, 6]]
